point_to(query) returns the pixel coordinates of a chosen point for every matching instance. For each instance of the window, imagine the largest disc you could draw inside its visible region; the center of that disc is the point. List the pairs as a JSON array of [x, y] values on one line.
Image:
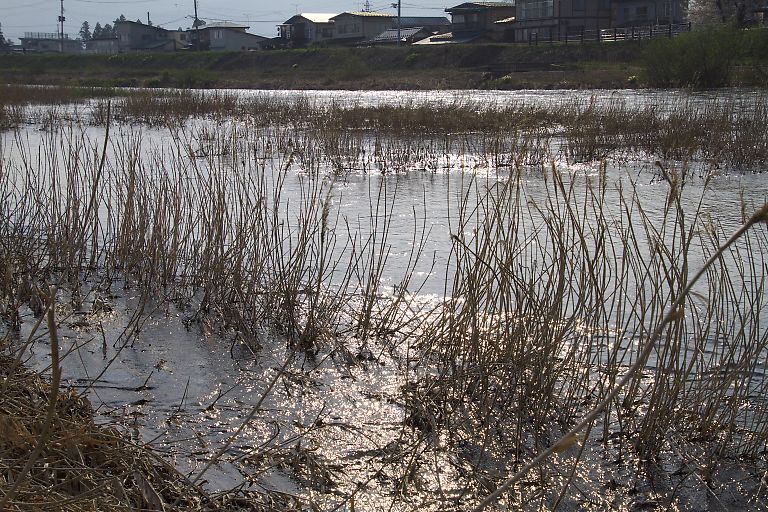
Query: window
[[642, 12], [530, 9], [666, 10]]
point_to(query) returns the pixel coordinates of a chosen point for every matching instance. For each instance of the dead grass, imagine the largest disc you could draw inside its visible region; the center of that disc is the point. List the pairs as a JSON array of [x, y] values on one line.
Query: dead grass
[[83, 465]]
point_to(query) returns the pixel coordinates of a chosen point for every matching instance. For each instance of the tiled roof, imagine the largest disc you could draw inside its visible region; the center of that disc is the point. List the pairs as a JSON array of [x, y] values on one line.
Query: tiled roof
[[390, 35]]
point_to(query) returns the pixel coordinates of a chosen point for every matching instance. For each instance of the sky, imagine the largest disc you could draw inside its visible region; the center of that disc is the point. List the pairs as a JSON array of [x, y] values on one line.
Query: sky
[[19, 16]]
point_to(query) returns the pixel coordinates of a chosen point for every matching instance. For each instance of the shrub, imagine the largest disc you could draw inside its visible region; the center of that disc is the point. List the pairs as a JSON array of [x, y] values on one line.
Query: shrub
[[698, 59]]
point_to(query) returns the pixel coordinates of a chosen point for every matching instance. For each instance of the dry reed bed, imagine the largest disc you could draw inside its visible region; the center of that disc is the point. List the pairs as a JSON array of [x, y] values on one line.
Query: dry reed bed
[[549, 299], [722, 133]]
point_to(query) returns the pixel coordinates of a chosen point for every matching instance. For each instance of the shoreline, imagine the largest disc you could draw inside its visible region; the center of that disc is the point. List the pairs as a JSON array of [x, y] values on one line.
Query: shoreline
[[588, 66]]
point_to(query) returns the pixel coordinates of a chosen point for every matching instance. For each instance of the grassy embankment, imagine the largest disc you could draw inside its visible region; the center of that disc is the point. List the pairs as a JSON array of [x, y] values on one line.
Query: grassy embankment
[[706, 58], [445, 67]]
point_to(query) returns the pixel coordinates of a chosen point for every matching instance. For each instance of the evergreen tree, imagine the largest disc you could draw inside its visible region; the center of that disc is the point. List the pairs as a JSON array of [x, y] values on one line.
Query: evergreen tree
[[107, 31], [85, 32], [98, 32], [5, 44], [121, 18]]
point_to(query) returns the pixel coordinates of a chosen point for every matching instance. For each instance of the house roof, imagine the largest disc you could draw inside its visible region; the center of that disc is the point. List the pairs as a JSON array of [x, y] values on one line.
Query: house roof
[[422, 21], [447, 38], [366, 14], [390, 35], [480, 6]]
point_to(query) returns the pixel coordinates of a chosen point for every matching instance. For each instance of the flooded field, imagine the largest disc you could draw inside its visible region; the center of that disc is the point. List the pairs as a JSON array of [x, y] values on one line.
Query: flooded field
[[395, 301]]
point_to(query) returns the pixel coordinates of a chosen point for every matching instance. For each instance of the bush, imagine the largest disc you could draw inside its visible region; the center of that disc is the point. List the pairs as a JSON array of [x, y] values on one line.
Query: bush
[[698, 59]]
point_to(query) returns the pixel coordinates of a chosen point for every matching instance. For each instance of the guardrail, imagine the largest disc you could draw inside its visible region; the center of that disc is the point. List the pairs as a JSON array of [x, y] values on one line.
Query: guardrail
[[644, 32], [45, 35]]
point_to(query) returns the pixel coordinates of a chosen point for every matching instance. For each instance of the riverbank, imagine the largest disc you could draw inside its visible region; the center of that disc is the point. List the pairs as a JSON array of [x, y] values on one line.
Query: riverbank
[[446, 67], [715, 57]]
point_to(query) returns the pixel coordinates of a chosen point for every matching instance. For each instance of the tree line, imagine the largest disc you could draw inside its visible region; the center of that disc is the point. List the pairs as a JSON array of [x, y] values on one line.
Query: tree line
[[106, 31]]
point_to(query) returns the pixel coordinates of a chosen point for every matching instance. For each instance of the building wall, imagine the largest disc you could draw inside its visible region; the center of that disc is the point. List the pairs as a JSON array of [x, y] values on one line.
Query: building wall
[[349, 26], [45, 45], [223, 39], [319, 32], [646, 12], [102, 46], [306, 32], [132, 35], [553, 19], [479, 20]]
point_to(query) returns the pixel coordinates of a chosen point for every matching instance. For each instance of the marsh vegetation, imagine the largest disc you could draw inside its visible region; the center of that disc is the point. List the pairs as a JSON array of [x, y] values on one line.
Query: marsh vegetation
[[417, 298]]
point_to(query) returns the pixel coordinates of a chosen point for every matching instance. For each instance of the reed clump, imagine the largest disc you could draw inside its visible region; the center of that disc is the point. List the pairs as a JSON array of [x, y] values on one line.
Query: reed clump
[[83, 465]]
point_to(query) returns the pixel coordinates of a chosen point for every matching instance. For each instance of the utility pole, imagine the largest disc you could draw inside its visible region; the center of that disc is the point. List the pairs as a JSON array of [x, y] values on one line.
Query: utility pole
[[197, 29], [61, 28], [399, 25]]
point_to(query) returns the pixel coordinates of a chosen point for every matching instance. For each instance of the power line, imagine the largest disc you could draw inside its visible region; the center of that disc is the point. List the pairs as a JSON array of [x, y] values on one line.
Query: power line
[[115, 2], [27, 6], [243, 21]]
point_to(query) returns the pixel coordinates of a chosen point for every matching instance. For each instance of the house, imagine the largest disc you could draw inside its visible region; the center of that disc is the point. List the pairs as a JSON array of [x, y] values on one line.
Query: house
[[135, 36], [225, 36], [354, 27], [50, 42], [631, 13], [550, 20], [306, 29], [412, 29], [102, 45], [474, 20]]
